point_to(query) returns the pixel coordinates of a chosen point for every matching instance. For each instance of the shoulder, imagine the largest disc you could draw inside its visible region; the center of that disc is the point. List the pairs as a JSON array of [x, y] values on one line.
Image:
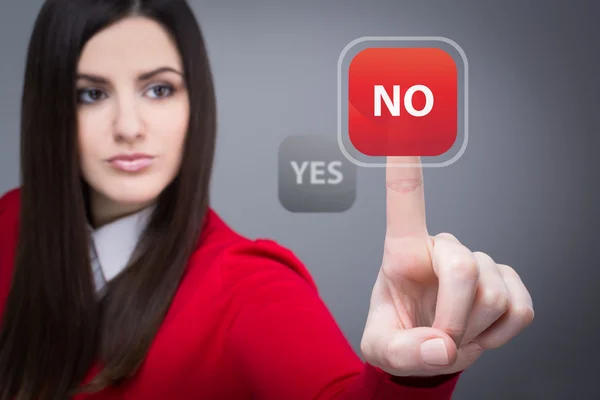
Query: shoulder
[[9, 212], [246, 262], [9, 201]]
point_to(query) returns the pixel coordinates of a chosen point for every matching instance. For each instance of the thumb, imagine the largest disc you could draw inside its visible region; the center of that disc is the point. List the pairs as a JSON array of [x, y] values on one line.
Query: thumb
[[418, 351]]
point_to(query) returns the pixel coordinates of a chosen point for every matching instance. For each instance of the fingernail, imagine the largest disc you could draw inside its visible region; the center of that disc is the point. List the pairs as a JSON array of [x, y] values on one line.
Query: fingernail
[[434, 352]]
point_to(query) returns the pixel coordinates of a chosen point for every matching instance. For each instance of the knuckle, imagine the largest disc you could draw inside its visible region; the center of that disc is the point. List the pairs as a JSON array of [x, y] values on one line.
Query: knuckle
[[480, 255], [446, 236], [404, 185], [393, 354], [463, 267], [508, 271], [524, 313], [365, 347], [495, 299]]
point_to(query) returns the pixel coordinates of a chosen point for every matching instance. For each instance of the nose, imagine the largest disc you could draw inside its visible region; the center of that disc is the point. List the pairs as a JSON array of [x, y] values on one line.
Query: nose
[[128, 124]]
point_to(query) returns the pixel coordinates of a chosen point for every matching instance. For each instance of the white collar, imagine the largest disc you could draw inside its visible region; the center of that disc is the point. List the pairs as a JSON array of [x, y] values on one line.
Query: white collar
[[115, 242]]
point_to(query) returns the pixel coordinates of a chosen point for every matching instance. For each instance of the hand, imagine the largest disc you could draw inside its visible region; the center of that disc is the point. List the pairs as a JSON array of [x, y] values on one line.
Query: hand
[[436, 306]]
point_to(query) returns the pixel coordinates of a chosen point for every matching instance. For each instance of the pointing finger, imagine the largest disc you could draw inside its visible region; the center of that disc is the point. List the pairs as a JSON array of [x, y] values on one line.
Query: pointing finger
[[405, 198]]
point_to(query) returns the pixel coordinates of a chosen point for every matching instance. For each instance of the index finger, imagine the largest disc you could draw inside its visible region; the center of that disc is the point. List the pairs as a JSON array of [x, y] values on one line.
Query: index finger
[[405, 198]]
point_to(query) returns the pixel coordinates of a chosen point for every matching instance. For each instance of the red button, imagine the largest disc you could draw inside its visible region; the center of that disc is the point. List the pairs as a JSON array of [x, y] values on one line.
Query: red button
[[402, 102]]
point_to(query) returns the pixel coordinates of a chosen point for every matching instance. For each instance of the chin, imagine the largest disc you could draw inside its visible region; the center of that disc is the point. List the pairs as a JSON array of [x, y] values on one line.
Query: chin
[[133, 194], [137, 199]]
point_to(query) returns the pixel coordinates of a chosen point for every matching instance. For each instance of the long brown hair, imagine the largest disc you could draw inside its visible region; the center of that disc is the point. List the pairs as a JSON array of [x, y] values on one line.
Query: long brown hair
[[54, 327]]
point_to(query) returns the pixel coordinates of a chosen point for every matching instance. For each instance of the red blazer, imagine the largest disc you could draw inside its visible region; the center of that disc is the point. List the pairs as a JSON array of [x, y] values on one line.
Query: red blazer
[[247, 322]]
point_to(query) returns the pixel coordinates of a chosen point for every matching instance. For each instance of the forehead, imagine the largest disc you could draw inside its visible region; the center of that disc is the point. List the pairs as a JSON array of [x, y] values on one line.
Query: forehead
[[134, 44]]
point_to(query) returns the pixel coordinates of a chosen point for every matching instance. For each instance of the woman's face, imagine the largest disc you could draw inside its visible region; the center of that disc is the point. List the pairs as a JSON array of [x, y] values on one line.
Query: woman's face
[[133, 113]]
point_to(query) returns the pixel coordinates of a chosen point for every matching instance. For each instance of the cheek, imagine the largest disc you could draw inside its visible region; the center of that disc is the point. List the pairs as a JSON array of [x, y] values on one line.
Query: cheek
[[170, 126], [90, 133]]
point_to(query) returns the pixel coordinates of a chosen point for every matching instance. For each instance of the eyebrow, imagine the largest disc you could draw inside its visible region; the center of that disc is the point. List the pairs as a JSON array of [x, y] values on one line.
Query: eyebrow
[[142, 77]]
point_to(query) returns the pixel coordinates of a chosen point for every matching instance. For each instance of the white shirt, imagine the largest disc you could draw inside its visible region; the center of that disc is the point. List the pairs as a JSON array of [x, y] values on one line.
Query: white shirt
[[113, 245]]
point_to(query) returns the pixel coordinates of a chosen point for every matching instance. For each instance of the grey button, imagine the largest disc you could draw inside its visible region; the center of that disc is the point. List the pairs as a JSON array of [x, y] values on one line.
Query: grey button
[[314, 175]]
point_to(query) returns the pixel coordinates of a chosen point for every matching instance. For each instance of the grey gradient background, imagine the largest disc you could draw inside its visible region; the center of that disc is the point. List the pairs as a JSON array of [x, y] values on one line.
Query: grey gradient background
[[525, 191]]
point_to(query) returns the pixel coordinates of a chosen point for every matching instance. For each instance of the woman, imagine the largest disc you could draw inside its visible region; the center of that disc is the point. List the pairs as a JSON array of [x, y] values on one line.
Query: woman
[[117, 279]]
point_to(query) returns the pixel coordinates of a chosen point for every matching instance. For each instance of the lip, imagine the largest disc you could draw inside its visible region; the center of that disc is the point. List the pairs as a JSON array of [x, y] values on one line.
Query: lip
[[129, 157], [131, 162]]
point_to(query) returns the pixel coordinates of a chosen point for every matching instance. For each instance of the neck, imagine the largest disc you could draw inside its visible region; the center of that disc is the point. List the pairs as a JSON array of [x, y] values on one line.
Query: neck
[[104, 211]]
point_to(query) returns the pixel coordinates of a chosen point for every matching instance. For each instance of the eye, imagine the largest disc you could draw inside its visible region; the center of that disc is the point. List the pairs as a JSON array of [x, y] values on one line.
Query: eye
[[158, 91], [88, 96]]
